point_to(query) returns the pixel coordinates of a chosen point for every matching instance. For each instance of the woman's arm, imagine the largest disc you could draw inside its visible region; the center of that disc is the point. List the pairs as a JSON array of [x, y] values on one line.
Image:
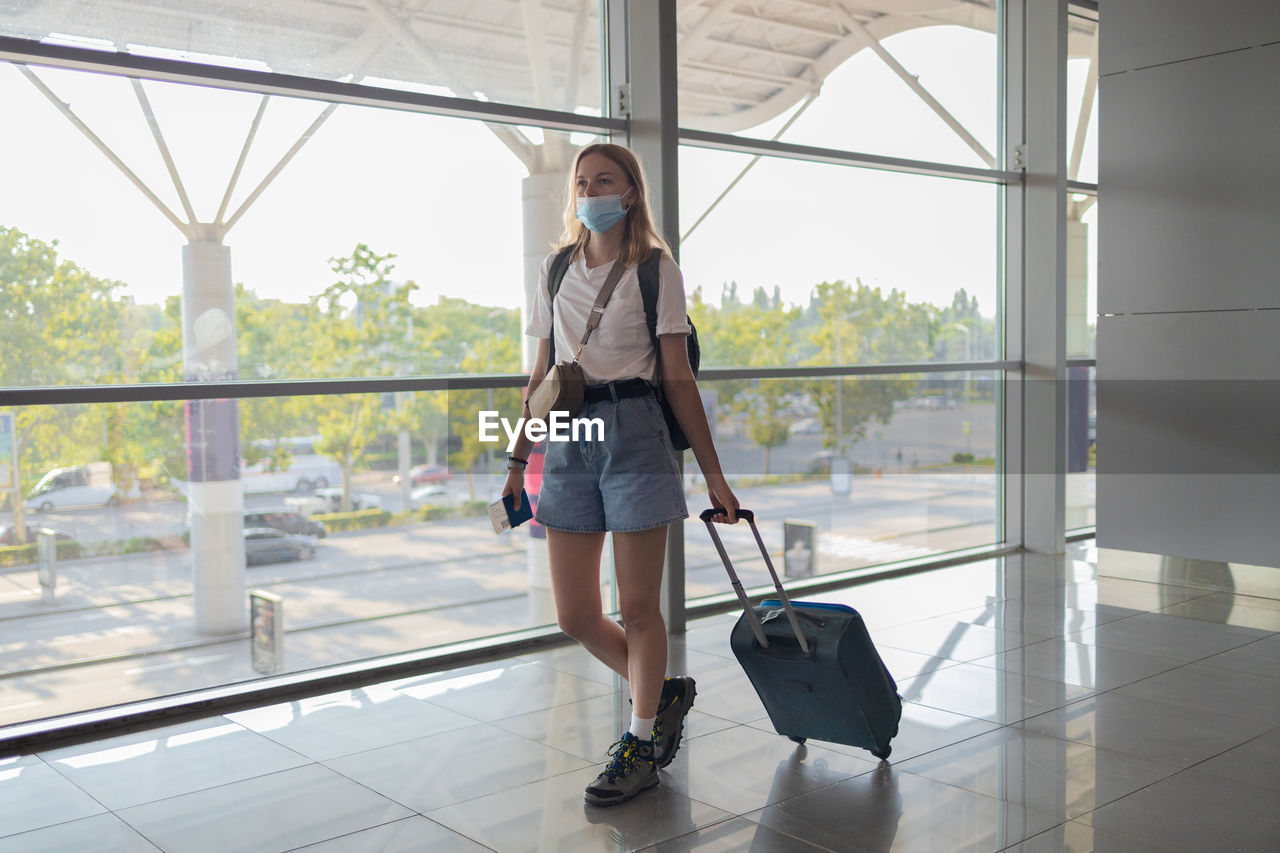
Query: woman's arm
[[515, 474], [681, 391]]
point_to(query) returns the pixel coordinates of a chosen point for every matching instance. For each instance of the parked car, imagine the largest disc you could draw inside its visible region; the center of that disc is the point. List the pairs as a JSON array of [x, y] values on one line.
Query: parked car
[[436, 495], [267, 545], [330, 500], [420, 474], [9, 534], [306, 470], [284, 519], [81, 485], [822, 462], [806, 426]]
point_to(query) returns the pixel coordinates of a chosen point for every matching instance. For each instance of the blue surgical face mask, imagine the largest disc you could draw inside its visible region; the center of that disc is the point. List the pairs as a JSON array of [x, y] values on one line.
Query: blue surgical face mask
[[602, 212]]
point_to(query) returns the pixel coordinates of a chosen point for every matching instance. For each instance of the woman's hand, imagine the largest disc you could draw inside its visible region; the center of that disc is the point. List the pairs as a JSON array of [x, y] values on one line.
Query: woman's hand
[[514, 485], [722, 498]]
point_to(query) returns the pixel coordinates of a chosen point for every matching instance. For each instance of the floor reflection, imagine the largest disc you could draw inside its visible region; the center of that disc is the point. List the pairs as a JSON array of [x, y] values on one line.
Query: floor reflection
[[1099, 700]]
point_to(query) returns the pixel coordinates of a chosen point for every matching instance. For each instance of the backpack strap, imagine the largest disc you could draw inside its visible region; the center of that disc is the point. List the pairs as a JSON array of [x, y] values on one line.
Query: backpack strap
[[555, 275], [650, 279]]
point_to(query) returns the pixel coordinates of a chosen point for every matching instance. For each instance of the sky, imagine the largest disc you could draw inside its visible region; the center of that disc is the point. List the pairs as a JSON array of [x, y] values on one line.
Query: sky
[[444, 194]]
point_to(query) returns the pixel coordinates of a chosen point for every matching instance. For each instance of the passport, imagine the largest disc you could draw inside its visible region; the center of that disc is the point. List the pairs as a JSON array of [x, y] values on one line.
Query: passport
[[504, 517]]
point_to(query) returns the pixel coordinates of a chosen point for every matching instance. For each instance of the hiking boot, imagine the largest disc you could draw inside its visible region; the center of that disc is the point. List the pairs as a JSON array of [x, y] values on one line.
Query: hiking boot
[[630, 771], [668, 726]]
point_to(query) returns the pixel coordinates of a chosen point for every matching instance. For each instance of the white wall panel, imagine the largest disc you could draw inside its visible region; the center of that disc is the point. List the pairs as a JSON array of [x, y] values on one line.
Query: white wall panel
[[1189, 434], [1188, 158], [1140, 33], [1230, 518]]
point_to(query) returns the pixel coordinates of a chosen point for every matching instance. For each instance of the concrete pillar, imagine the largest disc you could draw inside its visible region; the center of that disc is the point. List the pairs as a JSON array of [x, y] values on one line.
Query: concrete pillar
[[651, 52], [542, 199], [215, 501], [542, 196], [1077, 320], [1044, 300]]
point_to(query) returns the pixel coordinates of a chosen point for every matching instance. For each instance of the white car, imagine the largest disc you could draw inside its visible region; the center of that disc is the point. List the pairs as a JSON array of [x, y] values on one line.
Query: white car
[[68, 487], [435, 495], [806, 426], [330, 500]]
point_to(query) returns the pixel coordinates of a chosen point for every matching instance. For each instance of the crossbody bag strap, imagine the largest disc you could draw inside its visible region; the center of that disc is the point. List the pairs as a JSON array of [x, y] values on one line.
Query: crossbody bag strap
[[597, 310]]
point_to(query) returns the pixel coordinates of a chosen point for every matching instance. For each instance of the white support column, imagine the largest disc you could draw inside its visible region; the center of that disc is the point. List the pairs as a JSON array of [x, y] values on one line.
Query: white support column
[[215, 500], [542, 198], [652, 71], [653, 135], [1044, 303], [542, 204]]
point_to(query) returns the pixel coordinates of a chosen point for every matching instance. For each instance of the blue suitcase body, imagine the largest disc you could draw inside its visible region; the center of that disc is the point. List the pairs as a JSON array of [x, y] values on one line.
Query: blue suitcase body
[[813, 664], [839, 691]]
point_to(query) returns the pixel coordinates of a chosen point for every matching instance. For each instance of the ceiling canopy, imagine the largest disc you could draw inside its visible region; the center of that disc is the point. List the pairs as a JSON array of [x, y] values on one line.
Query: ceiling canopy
[[742, 62]]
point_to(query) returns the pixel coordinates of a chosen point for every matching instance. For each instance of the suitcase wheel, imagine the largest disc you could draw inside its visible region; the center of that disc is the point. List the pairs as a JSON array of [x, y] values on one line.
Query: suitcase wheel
[[882, 754], [799, 740]]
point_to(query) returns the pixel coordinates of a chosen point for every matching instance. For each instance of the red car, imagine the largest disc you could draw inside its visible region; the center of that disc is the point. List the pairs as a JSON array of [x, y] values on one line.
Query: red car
[[422, 474]]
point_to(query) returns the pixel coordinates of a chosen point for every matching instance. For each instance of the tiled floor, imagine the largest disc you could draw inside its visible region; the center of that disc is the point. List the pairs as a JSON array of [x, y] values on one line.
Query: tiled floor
[[1052, 704]]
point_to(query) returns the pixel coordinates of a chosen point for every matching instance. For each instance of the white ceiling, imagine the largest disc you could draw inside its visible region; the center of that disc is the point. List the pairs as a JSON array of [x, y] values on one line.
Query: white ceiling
[[742, 62]]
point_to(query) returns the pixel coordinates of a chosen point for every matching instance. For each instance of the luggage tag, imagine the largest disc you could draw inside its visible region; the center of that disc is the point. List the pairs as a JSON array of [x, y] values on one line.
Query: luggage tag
[[504, 517]]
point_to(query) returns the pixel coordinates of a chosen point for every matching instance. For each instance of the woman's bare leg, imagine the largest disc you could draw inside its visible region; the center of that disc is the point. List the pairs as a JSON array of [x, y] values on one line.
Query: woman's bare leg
[[575, 581], [638, 559]]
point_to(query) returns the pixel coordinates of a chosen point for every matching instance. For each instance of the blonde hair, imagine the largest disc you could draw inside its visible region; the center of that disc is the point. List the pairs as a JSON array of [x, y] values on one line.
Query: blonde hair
[[639, 237]]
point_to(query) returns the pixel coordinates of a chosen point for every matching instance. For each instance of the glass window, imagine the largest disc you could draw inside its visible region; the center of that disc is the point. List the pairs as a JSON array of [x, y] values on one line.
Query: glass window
[[860, 472], [370, 564], [546, 57], [918, 85], [1082, 95], [367, 251], [1082, 429], [1082, 274], [837, 265]]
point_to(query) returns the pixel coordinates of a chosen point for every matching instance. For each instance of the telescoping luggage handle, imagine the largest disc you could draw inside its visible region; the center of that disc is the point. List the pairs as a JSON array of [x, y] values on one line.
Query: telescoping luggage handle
[[752, 617]]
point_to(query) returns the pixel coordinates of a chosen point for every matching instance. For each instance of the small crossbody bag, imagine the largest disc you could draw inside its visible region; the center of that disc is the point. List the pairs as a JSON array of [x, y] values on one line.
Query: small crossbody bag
[[561, 390]]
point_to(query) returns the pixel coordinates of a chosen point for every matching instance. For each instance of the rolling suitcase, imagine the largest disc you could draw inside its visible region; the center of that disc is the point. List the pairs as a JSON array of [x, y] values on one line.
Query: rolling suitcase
[[813, 665]]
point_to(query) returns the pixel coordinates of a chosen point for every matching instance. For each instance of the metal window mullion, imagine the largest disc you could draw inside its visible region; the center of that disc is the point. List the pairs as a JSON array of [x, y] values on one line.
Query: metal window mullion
[[24, 51], [834, 156], [653, 134], [613, 39], [150, 393], [1044, 283], [73, 394], [1012, 131]]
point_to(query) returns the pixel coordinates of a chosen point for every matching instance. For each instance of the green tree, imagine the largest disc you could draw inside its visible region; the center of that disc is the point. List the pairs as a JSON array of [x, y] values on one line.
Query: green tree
[[62, 326], [461, 337], [488, 340], [859, 324], [364, 319], [274, 340], [758, 335]]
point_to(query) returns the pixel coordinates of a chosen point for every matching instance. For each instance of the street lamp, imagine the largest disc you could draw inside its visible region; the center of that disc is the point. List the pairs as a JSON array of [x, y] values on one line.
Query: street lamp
[[488, 353], [968, 401], [968, 354]]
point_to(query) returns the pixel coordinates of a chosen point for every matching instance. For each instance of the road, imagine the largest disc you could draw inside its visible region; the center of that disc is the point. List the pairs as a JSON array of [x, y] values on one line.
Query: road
[[122, 629], [926, 438]]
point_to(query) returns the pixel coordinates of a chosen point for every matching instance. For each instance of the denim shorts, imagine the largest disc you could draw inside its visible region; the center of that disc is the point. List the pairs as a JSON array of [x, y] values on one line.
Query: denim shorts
[[626, 482]]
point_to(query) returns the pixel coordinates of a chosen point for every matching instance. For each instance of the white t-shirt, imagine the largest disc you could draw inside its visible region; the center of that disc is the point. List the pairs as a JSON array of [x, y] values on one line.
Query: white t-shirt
[[620, 347]]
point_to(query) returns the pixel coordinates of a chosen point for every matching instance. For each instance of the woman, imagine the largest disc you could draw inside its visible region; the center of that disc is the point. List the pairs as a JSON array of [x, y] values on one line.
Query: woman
[[629, 483]]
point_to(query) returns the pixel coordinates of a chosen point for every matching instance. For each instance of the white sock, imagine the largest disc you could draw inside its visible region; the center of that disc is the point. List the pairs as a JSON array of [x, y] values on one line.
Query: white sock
[[641, 727]]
